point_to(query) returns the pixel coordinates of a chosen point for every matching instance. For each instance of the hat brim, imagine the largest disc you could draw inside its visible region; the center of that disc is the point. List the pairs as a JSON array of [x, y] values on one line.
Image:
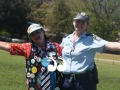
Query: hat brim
[[80, 19], [35, 29]]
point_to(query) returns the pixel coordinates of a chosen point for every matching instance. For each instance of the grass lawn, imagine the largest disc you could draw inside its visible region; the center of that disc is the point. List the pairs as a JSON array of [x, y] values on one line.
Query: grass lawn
[[12, 72], [109, 76]]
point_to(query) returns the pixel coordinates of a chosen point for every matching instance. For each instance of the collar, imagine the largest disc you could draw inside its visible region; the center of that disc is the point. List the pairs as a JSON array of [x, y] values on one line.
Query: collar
[[82, 36]]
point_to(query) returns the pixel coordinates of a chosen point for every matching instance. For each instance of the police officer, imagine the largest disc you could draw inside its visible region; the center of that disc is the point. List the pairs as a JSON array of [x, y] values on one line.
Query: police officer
[[79, 49]]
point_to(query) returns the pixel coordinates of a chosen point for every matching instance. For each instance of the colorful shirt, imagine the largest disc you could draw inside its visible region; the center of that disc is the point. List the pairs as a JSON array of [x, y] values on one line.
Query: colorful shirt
[[24, 49]]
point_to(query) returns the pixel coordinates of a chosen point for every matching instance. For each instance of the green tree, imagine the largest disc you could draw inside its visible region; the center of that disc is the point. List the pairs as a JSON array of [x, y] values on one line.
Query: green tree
[[39, 14], [58, 19], [38, 10], [104, 17], [14, 16]]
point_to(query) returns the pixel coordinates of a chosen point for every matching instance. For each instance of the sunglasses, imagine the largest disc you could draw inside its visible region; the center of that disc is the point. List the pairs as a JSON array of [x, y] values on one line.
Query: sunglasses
[[36, 32]]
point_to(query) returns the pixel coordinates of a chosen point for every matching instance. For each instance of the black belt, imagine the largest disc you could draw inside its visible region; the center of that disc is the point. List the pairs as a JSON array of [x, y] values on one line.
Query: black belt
[[75, 76], [88, 75]]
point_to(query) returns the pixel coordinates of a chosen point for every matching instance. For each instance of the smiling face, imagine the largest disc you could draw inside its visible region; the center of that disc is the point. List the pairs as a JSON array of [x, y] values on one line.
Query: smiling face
[[38, 37], [80, 25]]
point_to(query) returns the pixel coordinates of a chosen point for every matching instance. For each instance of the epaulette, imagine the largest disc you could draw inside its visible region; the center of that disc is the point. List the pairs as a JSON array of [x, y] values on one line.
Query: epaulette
[[96, 37], [89, 34]]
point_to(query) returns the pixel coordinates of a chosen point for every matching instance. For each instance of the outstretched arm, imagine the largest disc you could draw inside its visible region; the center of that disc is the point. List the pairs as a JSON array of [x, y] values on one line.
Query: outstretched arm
[[4, 46], [112, 46]]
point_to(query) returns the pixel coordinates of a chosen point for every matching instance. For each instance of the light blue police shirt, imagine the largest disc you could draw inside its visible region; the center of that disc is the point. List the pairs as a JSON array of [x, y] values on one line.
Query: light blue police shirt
[[81, 57]]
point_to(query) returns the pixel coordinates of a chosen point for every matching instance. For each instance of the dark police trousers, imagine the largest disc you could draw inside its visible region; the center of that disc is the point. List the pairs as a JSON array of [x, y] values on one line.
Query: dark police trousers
[[77, 85], [86, 81]]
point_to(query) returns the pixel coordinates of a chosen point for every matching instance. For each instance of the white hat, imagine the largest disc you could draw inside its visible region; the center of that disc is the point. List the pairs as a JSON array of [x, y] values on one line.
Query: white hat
[[33, 28]]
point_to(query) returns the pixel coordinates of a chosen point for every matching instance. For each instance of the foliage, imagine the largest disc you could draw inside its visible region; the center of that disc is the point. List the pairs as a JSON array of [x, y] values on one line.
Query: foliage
[[75, 6], [14, 16], [38, 11], [104, 17], [59, 18], [4, 32]]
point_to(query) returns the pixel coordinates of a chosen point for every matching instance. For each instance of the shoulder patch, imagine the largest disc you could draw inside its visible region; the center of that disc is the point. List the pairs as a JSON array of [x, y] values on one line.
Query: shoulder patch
[[96, 37]]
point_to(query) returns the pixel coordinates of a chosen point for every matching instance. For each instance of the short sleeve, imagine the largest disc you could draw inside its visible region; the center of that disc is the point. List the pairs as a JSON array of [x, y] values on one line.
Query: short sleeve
[[20, 49], [62, 42], [99, 44]]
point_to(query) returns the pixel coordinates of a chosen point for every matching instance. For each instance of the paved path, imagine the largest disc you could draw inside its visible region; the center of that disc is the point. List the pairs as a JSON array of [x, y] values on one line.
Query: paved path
[[107, 60]]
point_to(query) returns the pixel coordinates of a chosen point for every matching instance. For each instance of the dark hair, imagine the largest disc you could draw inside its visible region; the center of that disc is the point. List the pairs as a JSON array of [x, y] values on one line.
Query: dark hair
[[46, 38]]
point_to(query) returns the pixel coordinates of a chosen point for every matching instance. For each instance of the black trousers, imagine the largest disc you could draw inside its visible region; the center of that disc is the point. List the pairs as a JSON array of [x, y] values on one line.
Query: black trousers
[[79, 84]]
